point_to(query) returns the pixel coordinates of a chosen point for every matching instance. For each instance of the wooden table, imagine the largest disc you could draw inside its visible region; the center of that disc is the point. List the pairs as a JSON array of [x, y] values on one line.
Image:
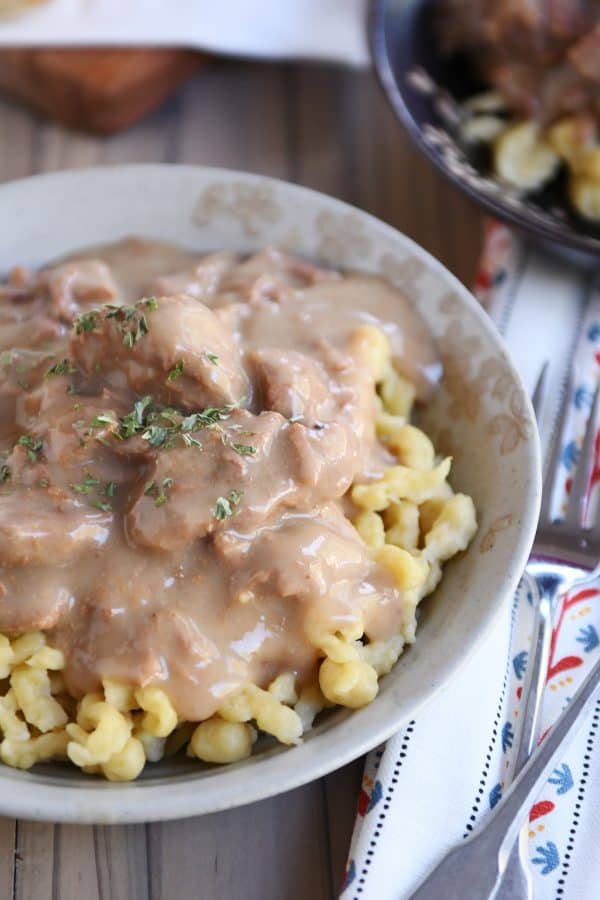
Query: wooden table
[[329, 129]]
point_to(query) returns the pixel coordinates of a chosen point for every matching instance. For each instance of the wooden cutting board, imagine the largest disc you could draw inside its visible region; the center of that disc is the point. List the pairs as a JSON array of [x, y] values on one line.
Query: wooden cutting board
[[99, 91]]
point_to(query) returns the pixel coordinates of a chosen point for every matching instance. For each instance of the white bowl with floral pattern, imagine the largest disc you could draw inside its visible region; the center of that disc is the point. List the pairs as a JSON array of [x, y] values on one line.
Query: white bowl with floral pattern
[[481, 415]]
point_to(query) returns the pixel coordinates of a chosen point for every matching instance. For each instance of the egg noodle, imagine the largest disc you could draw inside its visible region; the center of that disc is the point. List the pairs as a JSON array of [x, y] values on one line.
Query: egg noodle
[[411, 520], [527, 156]]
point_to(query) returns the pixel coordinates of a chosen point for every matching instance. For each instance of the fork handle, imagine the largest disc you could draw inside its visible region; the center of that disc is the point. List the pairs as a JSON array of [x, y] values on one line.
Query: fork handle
[[471, 870], [535, 677]]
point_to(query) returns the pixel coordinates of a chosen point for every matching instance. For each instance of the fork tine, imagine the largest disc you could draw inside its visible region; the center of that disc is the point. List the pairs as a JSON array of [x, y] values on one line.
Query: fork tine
[[539, 392], [554, 458], [576, 508]]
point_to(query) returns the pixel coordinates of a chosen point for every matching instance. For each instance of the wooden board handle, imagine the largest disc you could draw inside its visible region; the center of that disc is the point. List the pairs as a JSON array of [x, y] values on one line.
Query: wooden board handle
[[99, 91]]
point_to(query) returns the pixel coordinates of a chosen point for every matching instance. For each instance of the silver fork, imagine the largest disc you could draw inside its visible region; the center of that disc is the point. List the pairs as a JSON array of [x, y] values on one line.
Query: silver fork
[[550, 584], [565, 553]]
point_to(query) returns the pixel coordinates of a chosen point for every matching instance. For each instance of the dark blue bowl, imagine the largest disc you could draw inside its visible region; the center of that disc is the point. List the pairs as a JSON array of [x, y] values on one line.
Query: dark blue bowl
[[424, 90]]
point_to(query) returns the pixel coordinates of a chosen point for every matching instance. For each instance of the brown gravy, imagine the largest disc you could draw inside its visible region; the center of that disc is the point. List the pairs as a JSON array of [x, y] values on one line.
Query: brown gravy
[[173, 470]]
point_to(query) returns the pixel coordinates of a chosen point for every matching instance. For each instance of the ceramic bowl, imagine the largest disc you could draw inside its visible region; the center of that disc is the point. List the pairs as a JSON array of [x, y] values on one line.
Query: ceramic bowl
[[424, 90], [481, 414]]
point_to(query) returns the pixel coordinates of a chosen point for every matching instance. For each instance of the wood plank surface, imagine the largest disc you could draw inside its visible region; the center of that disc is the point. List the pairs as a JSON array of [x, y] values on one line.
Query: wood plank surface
[[330, 129]]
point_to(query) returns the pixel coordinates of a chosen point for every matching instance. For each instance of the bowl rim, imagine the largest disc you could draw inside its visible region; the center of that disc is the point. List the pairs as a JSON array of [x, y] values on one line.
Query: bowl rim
[[37, 796], [544, 231]]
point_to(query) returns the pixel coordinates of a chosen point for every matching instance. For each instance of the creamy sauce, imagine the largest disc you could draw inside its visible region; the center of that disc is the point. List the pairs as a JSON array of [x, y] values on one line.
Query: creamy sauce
[[171, 508]]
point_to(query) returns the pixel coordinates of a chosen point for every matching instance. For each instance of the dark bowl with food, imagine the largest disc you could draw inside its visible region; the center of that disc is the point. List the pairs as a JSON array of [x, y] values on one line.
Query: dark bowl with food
[[427, 89]]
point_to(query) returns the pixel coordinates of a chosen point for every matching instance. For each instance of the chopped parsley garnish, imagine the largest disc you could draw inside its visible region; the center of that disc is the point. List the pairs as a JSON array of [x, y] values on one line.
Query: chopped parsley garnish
[[224, 507], [159, 492], [156, 435], [207, 417], [132, 321], [243, 449], [44, 482], [176, 371], [62, 367], [190, 441], [102, 419], [90, 485], [87, 486], [4, 473], [6, 358], [212, 357], [135, 420], [33, 445], [101, 504], [161, 427], [86, 322]]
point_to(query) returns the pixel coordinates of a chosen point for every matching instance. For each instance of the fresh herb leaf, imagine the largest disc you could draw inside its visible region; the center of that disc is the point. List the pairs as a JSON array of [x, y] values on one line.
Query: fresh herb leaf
[[44, 482], [161, 428], [101, 504], [134, 421], [156, 435], [159, 492], [176, 371], [212, 357], [6, 358], [109, 489], [132, 322], [207, 417], [33, 445], [243, 449], [85, 487], [224, 506], [62, 367], [190, 441], [222, 509], [86, 322], [102, 419], [235, 496], [4, 473], [23, 384]]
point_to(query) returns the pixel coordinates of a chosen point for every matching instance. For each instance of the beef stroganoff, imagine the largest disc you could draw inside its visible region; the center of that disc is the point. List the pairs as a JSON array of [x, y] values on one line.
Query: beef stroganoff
[[216, 518]]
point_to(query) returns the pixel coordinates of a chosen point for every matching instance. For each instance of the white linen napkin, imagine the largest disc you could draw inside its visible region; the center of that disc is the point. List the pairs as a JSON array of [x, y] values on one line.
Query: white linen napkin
[[331, 30], [435, 781]]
